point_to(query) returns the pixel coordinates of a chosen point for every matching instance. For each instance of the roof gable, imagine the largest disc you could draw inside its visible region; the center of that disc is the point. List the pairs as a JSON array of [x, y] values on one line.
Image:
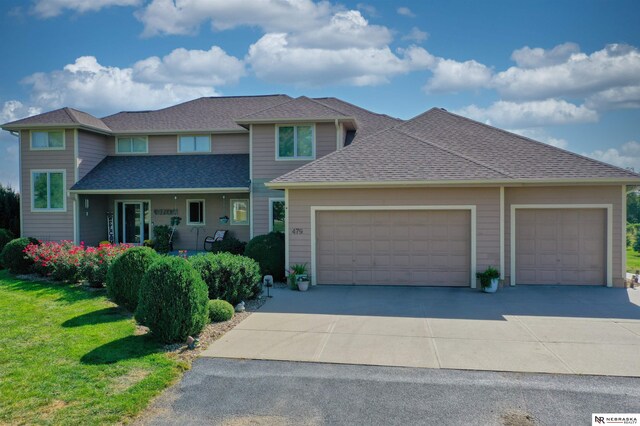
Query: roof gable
[[60, 117], [301, 108]]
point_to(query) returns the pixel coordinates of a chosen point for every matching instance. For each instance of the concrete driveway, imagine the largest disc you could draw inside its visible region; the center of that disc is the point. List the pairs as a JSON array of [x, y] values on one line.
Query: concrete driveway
[[572, 330]]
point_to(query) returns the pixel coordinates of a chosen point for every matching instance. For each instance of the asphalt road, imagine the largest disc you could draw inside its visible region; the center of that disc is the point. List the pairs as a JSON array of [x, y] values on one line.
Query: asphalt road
[[239, 392]]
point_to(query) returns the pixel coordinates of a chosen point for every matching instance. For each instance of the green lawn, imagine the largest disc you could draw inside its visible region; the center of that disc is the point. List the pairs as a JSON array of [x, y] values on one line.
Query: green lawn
[[633, 260], [69, 356]]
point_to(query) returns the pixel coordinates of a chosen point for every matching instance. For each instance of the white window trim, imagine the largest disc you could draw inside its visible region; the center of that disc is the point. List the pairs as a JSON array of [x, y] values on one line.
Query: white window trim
[[33, 193], [195, 200], [64, 140], [115, 217], [233, 222], [192, 135], [271, 201], [314, 209], [609, 237], [295, 142], [146, 138]]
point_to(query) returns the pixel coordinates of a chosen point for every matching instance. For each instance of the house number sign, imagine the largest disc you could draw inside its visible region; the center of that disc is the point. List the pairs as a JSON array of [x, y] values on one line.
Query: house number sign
[[165, 212], [297, 231]]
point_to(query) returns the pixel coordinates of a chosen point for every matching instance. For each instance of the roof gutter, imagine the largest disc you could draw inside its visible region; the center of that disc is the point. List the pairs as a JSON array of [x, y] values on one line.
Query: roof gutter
[[160, 191]]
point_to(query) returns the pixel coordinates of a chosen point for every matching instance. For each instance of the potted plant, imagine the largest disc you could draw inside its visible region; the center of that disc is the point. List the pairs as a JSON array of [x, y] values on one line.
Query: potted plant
[[298, 277], [489, 279]]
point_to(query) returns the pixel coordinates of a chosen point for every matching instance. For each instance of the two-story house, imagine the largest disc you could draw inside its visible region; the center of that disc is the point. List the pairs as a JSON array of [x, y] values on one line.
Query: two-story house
[[363, 198]]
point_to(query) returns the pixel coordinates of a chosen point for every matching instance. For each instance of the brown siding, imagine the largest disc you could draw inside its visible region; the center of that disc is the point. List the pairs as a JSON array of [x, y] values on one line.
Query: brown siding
[[263, 157], [168, 144], [486, 200], [93, 221], [570, 195], [185, 237], [92, 148], [47, 226]]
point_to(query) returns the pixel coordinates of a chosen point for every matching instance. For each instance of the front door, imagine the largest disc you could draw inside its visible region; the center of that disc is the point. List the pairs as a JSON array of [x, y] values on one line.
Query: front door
[[131, 222]]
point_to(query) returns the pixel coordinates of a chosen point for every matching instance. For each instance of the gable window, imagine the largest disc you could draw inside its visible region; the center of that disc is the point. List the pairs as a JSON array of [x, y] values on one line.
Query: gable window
[[195, 211], [276, 214], [47, 190], [53, 139], [194, 143], [132, 145], [295, 142], [239, 212]]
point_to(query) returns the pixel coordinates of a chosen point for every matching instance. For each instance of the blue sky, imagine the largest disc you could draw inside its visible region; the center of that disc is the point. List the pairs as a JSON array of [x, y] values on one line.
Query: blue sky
[[563, 72]]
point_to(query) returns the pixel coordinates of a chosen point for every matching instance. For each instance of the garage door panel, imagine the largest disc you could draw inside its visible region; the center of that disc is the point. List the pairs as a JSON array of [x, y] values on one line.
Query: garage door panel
[[394, 247], [560, 246]]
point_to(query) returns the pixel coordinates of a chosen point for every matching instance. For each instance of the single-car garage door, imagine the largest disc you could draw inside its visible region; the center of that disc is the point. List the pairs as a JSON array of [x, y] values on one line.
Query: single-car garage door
[[561, 246], [400, 247]]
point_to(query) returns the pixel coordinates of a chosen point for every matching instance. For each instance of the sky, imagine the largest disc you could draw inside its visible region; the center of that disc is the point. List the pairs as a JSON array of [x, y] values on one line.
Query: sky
[[563, 72]]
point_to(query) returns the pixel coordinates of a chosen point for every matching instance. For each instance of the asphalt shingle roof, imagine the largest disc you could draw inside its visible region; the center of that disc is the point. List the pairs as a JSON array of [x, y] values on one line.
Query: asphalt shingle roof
[[62, 116], [441, 146], [168, 172], [295, 109]]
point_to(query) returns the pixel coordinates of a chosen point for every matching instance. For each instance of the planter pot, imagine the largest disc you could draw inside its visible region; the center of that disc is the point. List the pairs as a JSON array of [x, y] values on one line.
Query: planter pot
[[493, 287], [303, 285]]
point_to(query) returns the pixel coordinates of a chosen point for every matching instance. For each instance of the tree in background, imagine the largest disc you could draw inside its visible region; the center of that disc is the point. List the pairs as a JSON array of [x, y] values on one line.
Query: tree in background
[[10, 210], [633, 207]]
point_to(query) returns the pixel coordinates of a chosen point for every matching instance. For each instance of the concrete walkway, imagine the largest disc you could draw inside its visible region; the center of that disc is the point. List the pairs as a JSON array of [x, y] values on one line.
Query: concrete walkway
[[570, 330]]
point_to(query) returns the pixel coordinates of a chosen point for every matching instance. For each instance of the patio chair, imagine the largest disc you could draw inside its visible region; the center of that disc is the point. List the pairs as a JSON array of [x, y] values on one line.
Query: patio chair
[[218, 236]]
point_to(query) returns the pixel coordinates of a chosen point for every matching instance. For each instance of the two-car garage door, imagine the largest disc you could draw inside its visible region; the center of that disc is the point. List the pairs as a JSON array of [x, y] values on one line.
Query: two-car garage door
[[399, 247]]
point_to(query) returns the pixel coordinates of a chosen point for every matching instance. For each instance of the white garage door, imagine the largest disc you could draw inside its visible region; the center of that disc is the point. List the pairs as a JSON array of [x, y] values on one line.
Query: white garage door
[[406, 247], [561, 246]]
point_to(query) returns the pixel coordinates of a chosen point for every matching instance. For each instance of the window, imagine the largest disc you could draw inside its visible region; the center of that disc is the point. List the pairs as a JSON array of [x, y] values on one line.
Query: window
[[295, 142], [134, 145], [276, 214], [47, 189], [47, 139], [195, 211], [194, 143], [239, 212]]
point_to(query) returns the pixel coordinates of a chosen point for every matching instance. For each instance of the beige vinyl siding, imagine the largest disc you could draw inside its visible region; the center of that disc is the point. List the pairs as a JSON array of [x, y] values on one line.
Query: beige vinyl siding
[[46, 226], [569, 195], [93, 221], [168, 144], [185, 238], [263, 158], [92, 148], [486, 200], [261, 195]]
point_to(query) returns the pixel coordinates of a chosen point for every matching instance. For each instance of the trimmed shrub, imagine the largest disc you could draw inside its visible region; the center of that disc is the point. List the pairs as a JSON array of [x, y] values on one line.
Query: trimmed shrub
[[14, 258], [126, 273], [228, 245], [5, 237], [173, 300], [228, 276], [268, 251], [97, 260], [220, 310]]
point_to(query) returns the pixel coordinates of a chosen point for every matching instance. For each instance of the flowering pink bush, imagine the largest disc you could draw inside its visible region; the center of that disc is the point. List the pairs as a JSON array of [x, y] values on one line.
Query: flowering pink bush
[[65, 261]]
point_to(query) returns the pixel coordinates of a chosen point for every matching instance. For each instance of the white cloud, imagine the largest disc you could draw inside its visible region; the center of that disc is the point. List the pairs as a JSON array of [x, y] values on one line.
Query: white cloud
[[368, 9], [273, 59], [453, 76], [186, 16], [527, 57], [405, 11], [213, 67], [52, 8], [530, 114], [615, 98], [626, 156], [86, 84], [416, 35], [579, 75], [14, 110]]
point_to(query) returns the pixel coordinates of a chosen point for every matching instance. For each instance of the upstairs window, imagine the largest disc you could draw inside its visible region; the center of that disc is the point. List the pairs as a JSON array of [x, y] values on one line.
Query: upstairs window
[[53, 139], [194, 143], [47, 190], [195, 211], [132, 145], [295, 142]]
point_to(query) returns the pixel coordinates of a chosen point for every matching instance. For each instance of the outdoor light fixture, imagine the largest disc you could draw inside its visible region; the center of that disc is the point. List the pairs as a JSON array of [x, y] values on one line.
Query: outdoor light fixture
[[268, 283]]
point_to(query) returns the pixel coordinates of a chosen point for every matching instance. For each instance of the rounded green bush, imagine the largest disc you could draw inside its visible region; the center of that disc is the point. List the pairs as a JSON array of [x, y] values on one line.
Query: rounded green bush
[[173, 300], [5, 237], [220, 310], [228, 245], [14, 258], [268, 251], [229, 277], [126, 273]]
